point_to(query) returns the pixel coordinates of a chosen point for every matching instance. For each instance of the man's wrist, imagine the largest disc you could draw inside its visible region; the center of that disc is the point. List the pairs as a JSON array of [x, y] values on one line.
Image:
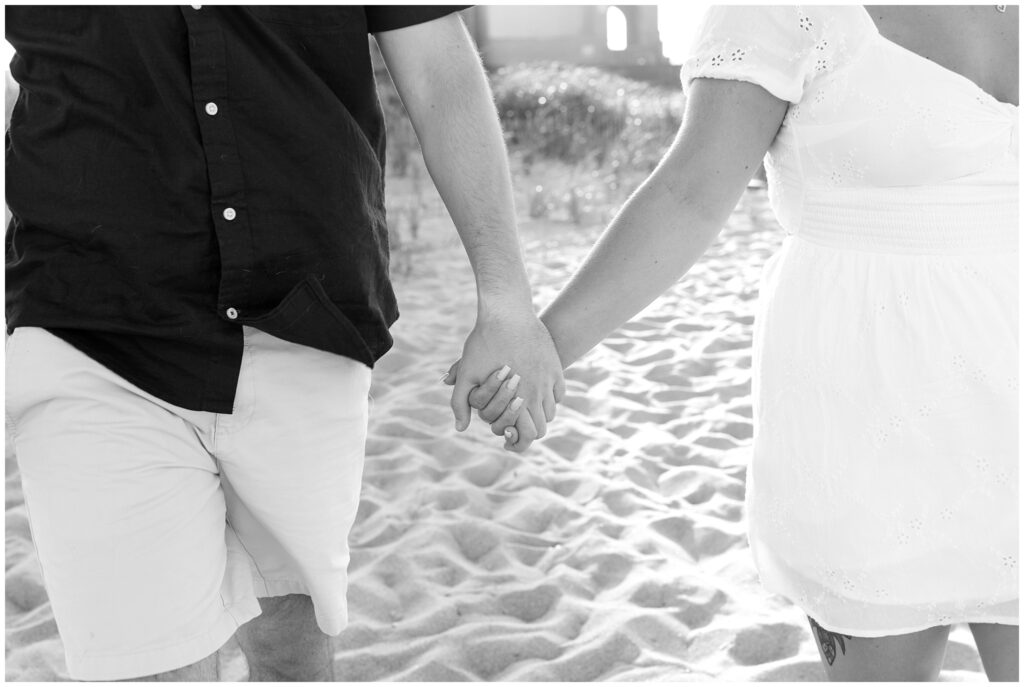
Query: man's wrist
[[512, 294]]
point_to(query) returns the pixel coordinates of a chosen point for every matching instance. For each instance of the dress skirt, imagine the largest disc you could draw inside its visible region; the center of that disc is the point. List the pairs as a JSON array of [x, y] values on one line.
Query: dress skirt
[[882, 495]]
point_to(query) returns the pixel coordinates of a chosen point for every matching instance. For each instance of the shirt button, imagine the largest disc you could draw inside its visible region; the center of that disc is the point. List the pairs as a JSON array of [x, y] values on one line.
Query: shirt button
[[211, 109], [231, 313], [229, 214]]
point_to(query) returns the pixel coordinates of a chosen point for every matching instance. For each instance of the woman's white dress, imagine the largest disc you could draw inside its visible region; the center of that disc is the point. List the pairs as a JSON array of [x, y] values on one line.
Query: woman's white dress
[[882, 494]]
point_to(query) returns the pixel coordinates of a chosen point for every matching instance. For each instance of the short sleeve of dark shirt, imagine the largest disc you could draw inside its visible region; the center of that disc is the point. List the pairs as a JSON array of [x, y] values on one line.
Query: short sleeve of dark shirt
[[390, 17]]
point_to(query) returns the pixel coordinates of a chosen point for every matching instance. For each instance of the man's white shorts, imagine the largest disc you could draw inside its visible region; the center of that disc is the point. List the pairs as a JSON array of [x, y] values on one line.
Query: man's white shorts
[[157, 527]]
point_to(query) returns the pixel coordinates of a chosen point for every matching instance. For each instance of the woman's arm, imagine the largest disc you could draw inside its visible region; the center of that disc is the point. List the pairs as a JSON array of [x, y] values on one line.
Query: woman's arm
[[671, 219]]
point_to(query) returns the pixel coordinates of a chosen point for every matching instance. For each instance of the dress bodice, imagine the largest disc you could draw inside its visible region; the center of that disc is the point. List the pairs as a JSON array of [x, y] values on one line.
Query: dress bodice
[[876, 136]]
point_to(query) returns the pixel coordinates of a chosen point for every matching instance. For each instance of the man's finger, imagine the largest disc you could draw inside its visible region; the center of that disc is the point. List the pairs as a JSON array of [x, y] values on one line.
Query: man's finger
[[559, 390], [539, 420], [549, 408], [460, 404]]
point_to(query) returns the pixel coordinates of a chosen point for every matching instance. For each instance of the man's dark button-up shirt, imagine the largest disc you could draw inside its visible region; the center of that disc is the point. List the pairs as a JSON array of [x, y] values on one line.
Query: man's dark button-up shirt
[[177, 172]]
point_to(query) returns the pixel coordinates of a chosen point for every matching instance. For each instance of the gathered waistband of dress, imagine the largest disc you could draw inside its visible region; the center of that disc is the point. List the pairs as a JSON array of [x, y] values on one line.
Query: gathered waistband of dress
[[933, 221]]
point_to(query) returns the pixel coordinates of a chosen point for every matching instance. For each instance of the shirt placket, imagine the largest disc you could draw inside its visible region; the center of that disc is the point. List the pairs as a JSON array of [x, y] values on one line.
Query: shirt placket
[[213, 108]]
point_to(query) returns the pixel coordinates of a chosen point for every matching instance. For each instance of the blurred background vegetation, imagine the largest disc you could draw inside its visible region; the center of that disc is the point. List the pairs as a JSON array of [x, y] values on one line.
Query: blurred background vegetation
[[580, 140]]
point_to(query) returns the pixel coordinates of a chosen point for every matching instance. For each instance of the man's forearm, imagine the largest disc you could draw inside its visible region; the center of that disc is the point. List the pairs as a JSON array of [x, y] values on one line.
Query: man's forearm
[[449, 102]]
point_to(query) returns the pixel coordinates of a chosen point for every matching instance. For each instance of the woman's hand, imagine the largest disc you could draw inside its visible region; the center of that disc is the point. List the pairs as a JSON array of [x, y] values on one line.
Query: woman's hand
[[498, 404], [508, 332]]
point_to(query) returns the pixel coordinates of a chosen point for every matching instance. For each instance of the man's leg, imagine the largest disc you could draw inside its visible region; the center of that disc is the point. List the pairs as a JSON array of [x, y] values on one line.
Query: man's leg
[[127, 516], [291, 461], [284, 643]]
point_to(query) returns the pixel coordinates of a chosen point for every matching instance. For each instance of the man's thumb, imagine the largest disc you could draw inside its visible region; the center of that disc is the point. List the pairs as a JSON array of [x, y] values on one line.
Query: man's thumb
[[460, 405]]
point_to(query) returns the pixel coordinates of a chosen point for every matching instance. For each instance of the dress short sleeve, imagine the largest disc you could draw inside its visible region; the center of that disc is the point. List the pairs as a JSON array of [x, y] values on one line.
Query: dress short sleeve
[[777, 48]]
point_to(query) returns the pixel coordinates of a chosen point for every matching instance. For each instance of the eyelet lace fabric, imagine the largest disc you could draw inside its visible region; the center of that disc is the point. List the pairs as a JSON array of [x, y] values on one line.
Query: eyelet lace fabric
[[882, 495]]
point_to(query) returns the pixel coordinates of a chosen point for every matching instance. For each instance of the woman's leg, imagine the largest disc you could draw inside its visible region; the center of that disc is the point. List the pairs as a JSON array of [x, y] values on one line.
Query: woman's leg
[[914, 657], [999, 650]]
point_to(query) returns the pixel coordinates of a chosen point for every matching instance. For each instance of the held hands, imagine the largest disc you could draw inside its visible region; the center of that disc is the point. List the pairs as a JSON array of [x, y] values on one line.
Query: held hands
[[517, 399]]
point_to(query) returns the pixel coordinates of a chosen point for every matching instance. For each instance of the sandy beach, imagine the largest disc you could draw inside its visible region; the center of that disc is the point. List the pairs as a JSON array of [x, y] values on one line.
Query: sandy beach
[[613, 550]]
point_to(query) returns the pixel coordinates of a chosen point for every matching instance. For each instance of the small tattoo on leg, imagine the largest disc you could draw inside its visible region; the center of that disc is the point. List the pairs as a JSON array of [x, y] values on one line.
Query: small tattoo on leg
[[828, 641]]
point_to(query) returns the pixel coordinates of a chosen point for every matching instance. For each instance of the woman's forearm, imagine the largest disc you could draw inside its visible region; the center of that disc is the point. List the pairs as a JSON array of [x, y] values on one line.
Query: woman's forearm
[[672, 218], [654, 240]]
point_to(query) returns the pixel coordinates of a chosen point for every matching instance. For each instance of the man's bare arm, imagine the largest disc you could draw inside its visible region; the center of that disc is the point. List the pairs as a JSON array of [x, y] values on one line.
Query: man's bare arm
[[439, 77]]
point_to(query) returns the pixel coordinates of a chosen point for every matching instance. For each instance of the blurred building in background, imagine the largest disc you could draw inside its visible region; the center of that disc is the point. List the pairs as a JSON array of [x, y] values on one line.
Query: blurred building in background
[[619, 38]]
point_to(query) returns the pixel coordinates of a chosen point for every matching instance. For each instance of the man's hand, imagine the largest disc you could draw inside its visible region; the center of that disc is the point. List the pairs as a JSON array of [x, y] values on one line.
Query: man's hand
[[438, 73], [517, 340]]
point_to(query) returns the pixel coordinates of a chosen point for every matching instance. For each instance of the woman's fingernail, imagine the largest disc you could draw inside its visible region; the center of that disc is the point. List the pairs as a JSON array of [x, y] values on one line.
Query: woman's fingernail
[[513, 383], [445, 376], [503, 372], [516, 404], [508, 434]]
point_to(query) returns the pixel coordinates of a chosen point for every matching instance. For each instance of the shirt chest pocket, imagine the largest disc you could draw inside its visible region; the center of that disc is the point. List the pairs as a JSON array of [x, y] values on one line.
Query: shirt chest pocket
[[313, 18]]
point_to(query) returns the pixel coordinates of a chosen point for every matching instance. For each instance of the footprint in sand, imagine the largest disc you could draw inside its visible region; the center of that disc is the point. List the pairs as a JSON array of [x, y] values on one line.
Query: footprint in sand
[[356, 636], [578, 402], [659, 633], [610, 569], [727, 343], [715, 440], [486, 472], [493, 655], [588, 375], [433, 623], [24, 584], [793, 670], [400, 429], [698, 483], [698, 607], [16, 523], [530, 605], [655, 594], [450, 499], [622, 502], [765, 643], [434, 672], [567, 444], [654, 416], [698, 540], [532, 515], [596, 662], [528, 555], [647, 359], [740, 430], [37, 625], [474, 540], [43, 662], [623, 430], [367, 507]]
